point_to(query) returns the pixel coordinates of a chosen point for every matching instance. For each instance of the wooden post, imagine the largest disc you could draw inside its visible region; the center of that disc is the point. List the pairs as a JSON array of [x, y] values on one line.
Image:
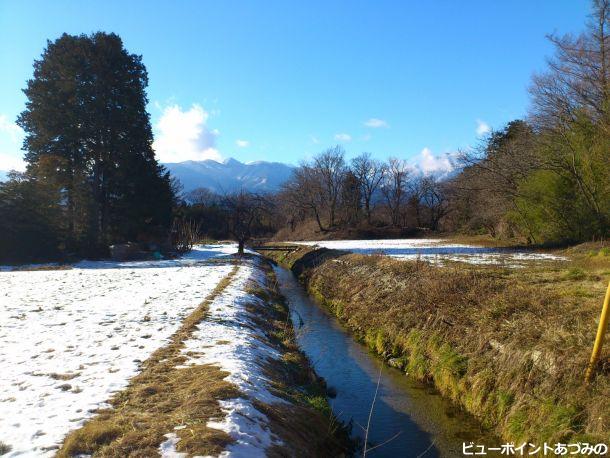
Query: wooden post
[[599, 339]]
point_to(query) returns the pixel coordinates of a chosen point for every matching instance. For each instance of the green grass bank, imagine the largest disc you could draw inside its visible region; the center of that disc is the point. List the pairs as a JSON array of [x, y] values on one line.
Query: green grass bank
[[509, 346]]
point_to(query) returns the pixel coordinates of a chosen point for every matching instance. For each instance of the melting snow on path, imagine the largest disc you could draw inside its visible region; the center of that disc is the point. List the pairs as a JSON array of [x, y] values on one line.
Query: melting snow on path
[[71, 338], [229, 339], [437, 251]]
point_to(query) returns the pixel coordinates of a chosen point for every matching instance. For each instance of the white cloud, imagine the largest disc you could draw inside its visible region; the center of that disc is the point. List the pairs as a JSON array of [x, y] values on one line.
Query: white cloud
[[375, 123], [182, 135], [366, 137], [428, 163], [482, 128], [343, 137], [11, 137], [242, 143], [13, 130], [314, 139], [11, 162]]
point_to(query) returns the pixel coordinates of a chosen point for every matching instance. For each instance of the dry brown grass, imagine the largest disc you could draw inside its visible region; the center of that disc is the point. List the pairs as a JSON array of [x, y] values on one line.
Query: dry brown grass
[[35, 268], [159, 398], [508, 345], [4, 448]]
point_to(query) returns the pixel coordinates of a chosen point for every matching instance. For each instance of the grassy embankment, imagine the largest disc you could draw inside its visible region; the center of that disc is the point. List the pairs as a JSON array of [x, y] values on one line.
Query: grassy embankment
[[508, 345], [164, 395]]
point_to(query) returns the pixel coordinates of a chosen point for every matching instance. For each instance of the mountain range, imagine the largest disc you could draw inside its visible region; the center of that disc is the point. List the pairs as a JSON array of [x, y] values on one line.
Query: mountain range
[[230, 175], [227, 176]]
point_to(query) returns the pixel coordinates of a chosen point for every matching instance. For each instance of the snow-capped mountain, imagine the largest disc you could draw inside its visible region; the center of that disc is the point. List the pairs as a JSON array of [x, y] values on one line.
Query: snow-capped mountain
[[230, 175]]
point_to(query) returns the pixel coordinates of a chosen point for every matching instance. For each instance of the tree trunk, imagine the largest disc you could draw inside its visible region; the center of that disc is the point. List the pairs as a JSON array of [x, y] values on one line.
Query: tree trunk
[[240, 247], [322, 229]]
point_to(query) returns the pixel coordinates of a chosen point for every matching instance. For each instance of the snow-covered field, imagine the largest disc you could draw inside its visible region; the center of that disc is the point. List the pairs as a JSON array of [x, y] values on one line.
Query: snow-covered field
[[70, 338], [437, 251]]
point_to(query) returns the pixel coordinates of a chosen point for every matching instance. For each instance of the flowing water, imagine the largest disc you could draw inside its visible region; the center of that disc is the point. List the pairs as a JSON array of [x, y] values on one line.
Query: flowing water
[[409, 419]]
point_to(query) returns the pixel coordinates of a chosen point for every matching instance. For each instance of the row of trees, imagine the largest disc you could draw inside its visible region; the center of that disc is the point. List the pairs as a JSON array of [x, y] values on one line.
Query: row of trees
[[546, 179], [92, 178], [382, 198], [363, 192]]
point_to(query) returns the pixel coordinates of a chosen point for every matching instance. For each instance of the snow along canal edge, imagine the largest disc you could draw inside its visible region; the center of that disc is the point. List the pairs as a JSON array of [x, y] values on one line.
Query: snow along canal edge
[[232, 382]]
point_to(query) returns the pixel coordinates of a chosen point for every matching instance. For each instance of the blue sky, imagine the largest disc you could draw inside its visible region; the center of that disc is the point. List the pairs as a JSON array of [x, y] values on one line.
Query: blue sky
[[282, 80]]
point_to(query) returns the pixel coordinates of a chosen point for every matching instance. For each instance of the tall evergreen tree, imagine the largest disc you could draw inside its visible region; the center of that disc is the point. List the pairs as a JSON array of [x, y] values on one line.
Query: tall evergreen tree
[[86, 109]]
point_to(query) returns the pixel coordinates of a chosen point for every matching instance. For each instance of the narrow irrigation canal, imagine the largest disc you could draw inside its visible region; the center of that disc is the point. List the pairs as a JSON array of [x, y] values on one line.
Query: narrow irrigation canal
[[409, 419]]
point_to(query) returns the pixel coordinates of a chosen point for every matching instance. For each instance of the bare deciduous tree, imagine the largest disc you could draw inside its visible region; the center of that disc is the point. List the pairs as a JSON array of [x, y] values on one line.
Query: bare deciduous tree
[[316, 187], [434, 197], [492, 173], [504, 159], [304, 192], [351, 199], [330, 166], [394, 188], [370, 174], [185, 233], [578, 77], [245, 214]]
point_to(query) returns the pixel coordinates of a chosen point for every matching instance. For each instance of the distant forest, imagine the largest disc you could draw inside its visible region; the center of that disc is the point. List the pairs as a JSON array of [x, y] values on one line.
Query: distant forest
[[92, 179]]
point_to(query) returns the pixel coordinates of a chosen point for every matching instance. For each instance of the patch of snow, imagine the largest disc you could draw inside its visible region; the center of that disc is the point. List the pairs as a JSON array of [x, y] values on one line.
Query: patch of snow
[[437, 251], [229, 339], [71, 338], [198, 255], [167, 449], [374, 244]]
